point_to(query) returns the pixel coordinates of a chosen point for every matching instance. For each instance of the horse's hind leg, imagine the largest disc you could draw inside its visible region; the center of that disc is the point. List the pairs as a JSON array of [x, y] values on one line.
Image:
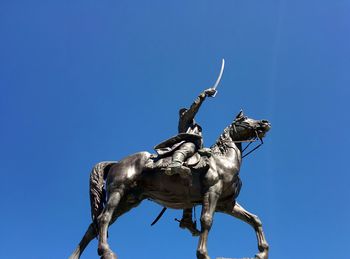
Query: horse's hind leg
[[239, 212], [89, 235], [104, 221]]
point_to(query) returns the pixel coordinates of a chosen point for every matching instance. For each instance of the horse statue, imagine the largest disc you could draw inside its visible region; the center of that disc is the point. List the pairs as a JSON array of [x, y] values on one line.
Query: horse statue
[[128, 182]]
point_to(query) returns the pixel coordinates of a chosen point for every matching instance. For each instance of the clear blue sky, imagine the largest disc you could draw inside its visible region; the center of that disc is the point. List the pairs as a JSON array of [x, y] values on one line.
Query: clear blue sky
[[87, 81]]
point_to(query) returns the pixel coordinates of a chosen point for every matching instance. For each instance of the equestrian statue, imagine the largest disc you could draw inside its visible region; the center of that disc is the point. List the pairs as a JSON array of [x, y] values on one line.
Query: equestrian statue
[[182, 174]]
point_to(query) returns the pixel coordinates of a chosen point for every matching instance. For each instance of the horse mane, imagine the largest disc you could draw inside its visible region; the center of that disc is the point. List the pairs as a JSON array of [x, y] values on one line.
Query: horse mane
[[220, 147]]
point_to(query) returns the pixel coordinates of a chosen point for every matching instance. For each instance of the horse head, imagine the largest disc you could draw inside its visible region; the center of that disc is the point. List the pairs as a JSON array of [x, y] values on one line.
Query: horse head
[[247, 129]]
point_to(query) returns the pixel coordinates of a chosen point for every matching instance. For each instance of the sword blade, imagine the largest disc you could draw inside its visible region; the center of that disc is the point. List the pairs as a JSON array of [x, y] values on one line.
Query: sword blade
[[220, 75]]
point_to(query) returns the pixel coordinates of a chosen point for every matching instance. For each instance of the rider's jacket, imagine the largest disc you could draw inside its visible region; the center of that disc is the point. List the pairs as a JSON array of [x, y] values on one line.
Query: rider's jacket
[[187, 124], [189, 130]]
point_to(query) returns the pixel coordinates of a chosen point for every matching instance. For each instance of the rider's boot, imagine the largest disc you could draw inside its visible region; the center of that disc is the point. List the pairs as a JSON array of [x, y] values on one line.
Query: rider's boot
[[176, 166], [187, 223]]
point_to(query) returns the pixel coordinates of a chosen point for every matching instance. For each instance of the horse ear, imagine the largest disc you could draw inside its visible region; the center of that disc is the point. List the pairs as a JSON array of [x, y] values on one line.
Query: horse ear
[[240, 114]]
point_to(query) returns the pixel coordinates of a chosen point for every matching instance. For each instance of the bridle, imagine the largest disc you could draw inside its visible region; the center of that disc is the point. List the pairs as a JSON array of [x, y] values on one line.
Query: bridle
[[237, 122]]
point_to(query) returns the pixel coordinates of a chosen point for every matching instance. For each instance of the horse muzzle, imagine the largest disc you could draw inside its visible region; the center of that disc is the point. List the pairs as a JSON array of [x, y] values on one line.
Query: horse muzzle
[[263, 128]]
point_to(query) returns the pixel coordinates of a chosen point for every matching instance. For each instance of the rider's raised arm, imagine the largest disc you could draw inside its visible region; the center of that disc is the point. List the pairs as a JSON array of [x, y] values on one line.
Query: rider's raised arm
[[192, 111]]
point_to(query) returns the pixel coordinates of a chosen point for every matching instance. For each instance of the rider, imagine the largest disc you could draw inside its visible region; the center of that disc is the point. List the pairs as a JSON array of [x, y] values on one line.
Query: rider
[[188, 125]]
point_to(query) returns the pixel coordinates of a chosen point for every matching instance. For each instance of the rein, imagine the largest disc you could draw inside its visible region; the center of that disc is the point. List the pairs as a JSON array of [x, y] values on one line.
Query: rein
[[251, 151]]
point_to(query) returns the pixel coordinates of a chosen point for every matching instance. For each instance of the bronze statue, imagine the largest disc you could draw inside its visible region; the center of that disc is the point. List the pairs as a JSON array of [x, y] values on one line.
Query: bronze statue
[[210, 179]]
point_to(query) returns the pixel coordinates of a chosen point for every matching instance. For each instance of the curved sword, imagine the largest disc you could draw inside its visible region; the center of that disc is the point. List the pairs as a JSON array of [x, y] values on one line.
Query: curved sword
[[219, 77]]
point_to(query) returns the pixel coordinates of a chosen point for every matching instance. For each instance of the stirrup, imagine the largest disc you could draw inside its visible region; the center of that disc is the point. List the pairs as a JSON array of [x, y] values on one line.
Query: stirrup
[[185, 223]]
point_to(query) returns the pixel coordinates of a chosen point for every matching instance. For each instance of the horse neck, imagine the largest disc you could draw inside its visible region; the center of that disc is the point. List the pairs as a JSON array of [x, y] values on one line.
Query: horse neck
[[225, 146]]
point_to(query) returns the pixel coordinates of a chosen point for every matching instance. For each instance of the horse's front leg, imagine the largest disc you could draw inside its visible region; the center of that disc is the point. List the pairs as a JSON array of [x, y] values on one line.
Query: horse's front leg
[[209, 205], [104, 221], [239, 212]]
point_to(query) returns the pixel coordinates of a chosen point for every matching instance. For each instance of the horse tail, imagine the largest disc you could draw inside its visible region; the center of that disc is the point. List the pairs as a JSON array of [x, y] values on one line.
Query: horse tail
[[97, 190]]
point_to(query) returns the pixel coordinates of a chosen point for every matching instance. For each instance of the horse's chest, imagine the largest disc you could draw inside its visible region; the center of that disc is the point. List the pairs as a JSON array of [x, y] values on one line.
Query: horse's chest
[[227, 170]]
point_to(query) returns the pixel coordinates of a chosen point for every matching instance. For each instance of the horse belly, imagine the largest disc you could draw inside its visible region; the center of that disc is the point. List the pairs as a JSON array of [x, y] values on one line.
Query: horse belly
[[170, 201], [172, 191]]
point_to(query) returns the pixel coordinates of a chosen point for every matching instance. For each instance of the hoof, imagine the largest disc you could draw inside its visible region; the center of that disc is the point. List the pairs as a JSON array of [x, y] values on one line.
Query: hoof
[[257, 256], [262, 255], [109, 255], [202, 255]]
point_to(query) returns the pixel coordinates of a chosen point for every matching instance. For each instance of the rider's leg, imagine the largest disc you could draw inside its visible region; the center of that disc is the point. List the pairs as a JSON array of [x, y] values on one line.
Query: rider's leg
[[187, 223], [180, 155], [185, 151]]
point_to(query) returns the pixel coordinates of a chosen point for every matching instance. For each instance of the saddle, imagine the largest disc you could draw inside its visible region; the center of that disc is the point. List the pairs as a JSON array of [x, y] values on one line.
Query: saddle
[[198, 162]]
